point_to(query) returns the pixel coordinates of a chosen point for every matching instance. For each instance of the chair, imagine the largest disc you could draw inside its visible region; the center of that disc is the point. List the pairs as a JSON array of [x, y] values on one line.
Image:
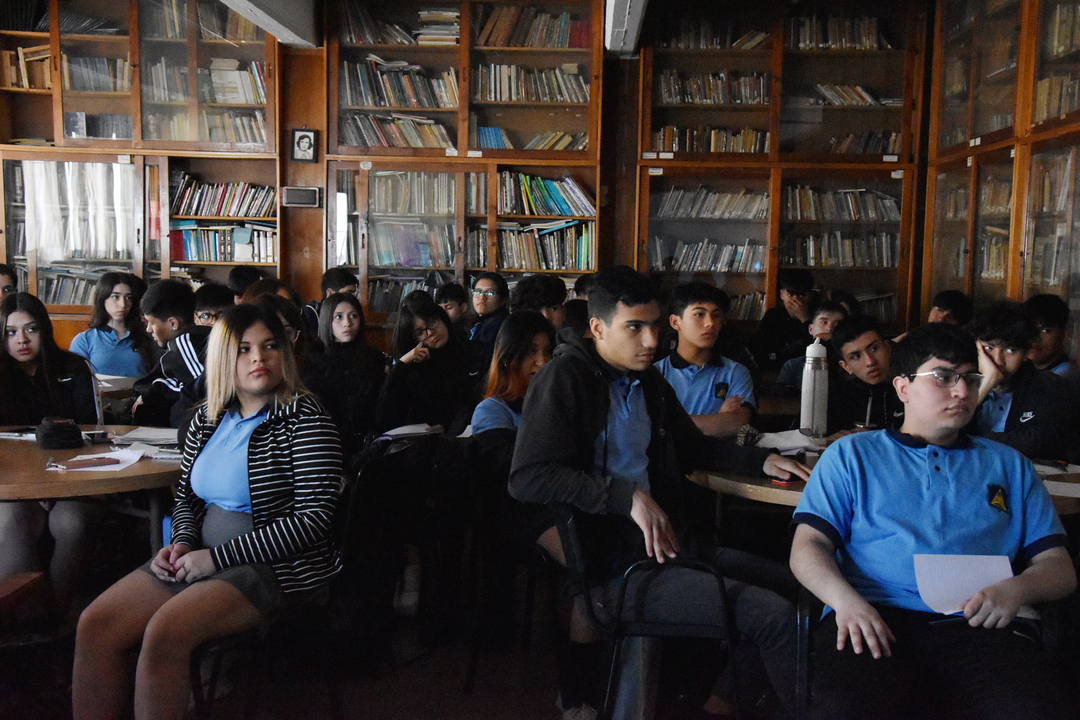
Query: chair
[[618, 627]]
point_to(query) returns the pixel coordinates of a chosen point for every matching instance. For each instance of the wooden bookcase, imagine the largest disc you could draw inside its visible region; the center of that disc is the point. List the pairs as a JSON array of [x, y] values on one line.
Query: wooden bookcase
[[516, 92], [745, 107]]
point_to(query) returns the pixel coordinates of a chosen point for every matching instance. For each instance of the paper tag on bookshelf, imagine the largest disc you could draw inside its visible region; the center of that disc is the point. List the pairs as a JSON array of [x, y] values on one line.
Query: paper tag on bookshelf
[[123, 159], [648, 156], [667, 155], [656, 171], [969, 162], [570, 68], [974, 141], [474, 153], [451, 152], [365, 165], [890, 158], [1012, 152], [897, 174]]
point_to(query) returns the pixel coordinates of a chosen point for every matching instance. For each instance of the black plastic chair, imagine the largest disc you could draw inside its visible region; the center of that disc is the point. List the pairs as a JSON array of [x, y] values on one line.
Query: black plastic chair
[[618, 627]]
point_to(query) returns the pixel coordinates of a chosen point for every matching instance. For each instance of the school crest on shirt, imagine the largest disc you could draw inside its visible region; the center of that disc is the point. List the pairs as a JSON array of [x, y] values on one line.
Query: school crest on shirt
[[997, 498], [720, 390]]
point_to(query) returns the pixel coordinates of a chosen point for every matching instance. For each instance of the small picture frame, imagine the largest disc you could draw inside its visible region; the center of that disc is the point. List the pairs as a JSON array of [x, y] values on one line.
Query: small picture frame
[[305, 146]]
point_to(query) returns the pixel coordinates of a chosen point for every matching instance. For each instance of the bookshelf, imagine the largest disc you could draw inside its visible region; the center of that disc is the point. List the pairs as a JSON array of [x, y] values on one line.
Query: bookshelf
[[95, 74]]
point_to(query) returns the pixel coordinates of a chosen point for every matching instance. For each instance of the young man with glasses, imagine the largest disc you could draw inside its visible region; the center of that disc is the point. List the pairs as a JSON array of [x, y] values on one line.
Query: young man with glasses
[[875, 501], [211, 299], [1032, 411]]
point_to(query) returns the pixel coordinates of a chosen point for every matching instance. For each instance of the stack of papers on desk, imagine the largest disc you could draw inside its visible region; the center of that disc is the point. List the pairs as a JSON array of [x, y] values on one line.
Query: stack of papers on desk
[[148, 436], [789, 441]]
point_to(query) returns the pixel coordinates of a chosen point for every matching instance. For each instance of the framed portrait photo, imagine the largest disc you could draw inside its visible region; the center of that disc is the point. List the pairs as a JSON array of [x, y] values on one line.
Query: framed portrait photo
[[305, 146]]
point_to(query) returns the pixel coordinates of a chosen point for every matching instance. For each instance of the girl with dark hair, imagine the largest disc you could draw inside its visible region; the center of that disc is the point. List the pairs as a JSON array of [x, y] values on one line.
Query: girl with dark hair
[[117, 342], [436, 377], [350, 369], [38, 380], [260, 478]]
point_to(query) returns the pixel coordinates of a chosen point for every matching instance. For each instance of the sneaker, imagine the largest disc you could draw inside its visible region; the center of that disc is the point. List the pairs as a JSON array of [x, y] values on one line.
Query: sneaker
[[585, 712]]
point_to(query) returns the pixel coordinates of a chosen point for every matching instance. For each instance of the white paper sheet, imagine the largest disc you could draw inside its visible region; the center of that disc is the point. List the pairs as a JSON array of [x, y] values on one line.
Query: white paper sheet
[[127, 458], [946, 581], [789, 440], [148, 435]]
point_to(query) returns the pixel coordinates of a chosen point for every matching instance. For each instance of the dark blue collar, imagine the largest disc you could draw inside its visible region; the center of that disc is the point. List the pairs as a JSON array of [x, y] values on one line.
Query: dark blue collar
[[679, 363], [962, 442]]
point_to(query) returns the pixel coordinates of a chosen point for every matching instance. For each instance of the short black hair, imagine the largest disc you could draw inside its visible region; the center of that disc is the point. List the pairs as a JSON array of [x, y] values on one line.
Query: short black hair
[[577, 316], [943, 341], [336, 278], [242, 277], [1006, 322], [1048, 311], [686, 294], [169, 298], [583, 285], [796, 281], [451, 292], [6, 269], [830, 306], [213, 296], [956, 303], [536, 292], [500, 283], [852, 328], [618, 284]]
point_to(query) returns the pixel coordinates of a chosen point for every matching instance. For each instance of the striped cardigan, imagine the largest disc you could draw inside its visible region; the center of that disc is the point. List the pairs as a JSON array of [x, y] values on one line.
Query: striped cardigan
[[294, 470]]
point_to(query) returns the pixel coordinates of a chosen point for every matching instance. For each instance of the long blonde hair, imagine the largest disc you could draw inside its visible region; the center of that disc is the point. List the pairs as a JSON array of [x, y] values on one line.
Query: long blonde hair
[[223, 350]]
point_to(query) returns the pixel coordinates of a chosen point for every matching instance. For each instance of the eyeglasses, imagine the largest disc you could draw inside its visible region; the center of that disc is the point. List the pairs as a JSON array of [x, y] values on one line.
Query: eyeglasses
[[422, 332], [946, 378], [207, 316], [484, 293]]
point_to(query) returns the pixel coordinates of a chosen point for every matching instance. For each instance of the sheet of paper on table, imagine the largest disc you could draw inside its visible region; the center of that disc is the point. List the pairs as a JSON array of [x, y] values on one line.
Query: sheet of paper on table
[[789, 441], [157, 453], [115, 382], [149, 436], [947, 581], [126, 459]]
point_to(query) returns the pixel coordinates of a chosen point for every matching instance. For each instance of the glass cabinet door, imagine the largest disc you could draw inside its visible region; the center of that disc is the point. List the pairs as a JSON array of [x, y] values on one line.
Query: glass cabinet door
[[1049, 233], [1057, 70], [95, 70], [995, 84], [954, 115], [73, 221], [992, 220], [952, 206], [163, 53]]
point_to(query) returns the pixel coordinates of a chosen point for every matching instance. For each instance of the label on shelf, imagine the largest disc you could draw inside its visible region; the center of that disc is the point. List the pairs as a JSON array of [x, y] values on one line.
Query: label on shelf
[[474, 153], [648, 156], [365, 165], [570, 68], [974, 141], [451, 152], [656, 171], [123, 159], [667, 155], [897, 175], [1012, 152], [890, 158], [969, 162]]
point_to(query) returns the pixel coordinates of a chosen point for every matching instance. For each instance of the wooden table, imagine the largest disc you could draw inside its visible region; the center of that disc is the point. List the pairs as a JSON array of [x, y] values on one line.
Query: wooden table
[[23, 476]]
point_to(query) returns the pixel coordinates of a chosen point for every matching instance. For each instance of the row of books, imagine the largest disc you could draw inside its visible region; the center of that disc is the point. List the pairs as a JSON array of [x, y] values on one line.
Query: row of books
[[1062, 34], [496, 138], [26, 68], [71, 284], [992, 253], [547, 246], [72, 22], [166, 126], [995, 196], [747, 307], [220, 22], [96, 74], [107, 126], [955, 72], [513, 83], [412, 243], [360, 28], [833, 250], [250, 242], [956, 203], [1049, 263], [21, 15], [704, 203], [165, 19], [803, 203], [224, 83], [1056, 96], [192, 196], [710, 256], [527, 26], [233, 126], [675, 138], [1052, 183], [865, 142], [521, 194], [845, 95], [438, 26], [384, 294], [166, 81], [883, 307], [396, 84], [705, 34], [476, 246], [476, 193], [835, 33], [412, 192], [722, 87], [393, 130]]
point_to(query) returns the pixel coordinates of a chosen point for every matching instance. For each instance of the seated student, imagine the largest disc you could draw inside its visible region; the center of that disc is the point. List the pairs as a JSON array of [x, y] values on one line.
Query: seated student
[[782, 332], [602, 430], [583, 285], [39, 380], [117, 342], [1051, 317], [169, 307], [717, 392], [862, 396], [354, 370], [1034, 412], [951, 306], [271, 286], [576, 322], [436, 376], [489, 295], [545, 294], [240, 279], [211, 299], [334, 280], [9, 281], [251, 528], [877, 499], [824, 317], [454, 299]]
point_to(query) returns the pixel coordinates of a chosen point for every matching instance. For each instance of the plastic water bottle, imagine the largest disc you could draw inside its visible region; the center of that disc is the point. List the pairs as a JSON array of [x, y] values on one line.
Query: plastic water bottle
[[815, 390]]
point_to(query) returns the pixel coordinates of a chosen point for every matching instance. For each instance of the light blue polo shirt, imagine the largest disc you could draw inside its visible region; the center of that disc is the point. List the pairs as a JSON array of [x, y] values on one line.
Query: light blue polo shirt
[[622, 447], [994, 411], [882, 497], [703, 390], [220, 473], [492, 413], [108, 354]]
